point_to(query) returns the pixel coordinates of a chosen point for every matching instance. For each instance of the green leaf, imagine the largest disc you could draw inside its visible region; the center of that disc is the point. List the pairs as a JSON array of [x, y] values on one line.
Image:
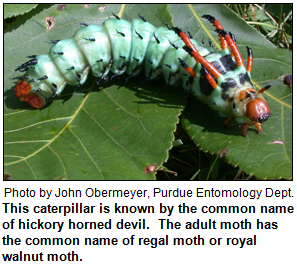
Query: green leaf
[[262, 155], [13, 10], [124, 130]]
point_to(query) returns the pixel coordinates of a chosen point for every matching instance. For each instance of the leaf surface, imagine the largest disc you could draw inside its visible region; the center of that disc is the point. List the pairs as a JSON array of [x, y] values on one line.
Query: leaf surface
[[11, 10]]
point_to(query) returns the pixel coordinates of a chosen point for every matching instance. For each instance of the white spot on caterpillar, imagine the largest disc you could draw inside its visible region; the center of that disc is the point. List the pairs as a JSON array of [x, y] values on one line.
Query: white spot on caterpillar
[[49, 22]]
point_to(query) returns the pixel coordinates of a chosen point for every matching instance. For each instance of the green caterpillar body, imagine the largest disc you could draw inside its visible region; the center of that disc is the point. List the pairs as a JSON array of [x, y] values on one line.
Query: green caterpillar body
[[122, 46]]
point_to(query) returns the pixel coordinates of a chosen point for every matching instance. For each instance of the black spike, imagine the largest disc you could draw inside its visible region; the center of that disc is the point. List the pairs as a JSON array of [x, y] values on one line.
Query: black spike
[[184, 65], [143, 19], [177, 30], [104, 78], [123, 57], [90, 39], [188, 49], [120, 33], [189, 33], [54, 85], [158, 41], [51, 97], [59, 53], [98, 81], [145, 80], [31, 80], [249, 51], [168, 27], [167, 65], [38, 90], [24, 77], [210, 43], [135, 59], [31, 56], [129, 77], [221, 32], [77, 86], [78, 75], [84, 24], [42, 78], [210, 18], [70, 68], [232, 36], [149, 61], [114, 76], [204, 71], [117, 17], [139, 35], [29, 63], [174, 46], [202, 41], [53, 41], [101, 60]]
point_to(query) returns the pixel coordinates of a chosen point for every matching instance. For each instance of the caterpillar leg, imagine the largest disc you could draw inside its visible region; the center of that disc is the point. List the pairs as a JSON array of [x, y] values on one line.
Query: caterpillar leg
[[227, 120], [245, 126]]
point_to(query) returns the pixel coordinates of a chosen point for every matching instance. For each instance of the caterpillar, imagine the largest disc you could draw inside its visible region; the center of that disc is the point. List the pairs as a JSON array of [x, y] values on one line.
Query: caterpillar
[[218, 79]]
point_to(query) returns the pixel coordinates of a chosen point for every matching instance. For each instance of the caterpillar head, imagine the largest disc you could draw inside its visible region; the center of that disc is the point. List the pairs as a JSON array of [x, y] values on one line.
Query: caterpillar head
[[258, 110], [252, 108]]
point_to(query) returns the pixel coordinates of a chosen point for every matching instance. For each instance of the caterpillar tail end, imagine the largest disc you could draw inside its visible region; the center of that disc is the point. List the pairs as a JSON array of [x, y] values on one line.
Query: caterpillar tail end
[[22, 90]]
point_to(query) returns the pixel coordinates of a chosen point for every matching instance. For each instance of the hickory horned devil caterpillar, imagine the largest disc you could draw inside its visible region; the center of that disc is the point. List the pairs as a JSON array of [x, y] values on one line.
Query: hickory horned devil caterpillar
[[218, 79]]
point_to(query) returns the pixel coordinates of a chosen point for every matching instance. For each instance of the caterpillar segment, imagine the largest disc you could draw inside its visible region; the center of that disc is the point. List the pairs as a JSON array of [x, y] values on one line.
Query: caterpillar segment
[[218, 79]]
